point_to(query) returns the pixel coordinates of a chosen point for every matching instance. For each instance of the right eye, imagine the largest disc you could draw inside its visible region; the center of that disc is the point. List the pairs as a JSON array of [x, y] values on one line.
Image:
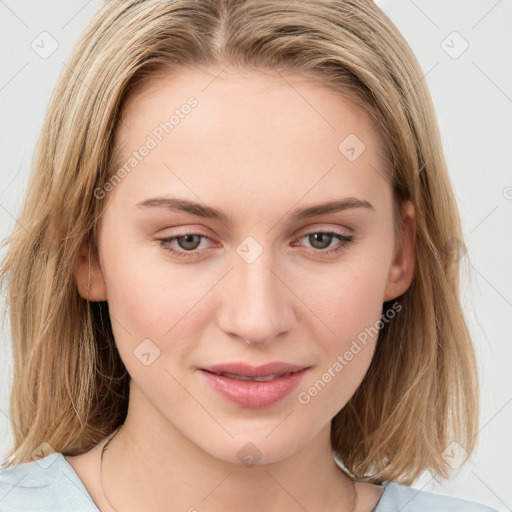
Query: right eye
[[184, 245]]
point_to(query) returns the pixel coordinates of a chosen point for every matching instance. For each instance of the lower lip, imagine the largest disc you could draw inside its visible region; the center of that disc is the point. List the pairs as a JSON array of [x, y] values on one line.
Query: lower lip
[[252, 394]]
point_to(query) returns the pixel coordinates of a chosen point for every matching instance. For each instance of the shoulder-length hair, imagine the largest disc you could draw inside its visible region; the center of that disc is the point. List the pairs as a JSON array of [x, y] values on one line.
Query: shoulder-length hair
[[70, 387]]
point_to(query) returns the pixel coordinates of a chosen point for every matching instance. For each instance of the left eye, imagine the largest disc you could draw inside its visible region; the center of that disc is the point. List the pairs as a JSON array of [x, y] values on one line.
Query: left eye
[[321, 240]]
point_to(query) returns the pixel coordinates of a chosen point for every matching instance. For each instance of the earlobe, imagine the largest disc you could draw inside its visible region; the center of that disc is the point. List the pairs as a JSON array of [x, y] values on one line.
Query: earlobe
[[88, 275], [401, 271]]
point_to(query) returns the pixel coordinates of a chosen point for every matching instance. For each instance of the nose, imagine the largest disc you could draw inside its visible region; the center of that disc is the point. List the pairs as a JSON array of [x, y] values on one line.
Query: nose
[[256, 305]]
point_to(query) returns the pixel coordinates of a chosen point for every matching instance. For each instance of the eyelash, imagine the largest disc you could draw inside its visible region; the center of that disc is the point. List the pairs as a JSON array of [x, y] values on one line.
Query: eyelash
[[344, 240]]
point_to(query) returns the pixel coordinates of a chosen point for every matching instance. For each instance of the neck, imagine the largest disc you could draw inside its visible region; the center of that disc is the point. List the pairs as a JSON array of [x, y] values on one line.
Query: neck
[[158, 470]]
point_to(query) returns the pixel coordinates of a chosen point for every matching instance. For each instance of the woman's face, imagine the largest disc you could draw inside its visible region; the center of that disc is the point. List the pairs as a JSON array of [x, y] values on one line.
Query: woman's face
[[241, 173]]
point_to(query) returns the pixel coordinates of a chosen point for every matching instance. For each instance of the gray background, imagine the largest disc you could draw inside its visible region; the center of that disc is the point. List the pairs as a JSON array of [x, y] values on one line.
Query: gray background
[[472, 92]]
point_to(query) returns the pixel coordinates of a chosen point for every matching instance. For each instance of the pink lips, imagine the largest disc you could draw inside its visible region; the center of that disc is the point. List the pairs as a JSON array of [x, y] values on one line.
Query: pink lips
[[254, 387]]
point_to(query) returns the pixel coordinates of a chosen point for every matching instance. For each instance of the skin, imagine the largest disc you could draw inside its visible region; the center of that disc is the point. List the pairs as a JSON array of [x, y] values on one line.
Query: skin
[[256, 147]]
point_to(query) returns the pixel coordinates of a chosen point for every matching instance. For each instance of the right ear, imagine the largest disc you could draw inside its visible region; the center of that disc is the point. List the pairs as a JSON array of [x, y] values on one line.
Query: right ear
[[88, 275]]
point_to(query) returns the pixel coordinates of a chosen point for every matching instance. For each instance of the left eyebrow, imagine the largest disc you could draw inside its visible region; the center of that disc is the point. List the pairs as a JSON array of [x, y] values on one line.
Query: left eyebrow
[[330, 207], [201, 210]]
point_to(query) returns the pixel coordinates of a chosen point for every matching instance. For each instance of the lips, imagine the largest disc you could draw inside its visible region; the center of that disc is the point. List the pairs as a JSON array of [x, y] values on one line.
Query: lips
[[254, 386], [247, 370], [264, 378]]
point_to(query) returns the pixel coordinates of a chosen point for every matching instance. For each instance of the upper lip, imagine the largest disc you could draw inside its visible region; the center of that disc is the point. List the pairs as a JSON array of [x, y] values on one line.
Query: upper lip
[[248, 370]]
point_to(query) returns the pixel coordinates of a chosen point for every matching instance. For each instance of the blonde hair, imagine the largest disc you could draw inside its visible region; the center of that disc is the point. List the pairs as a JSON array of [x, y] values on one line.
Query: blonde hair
[[70, 387]]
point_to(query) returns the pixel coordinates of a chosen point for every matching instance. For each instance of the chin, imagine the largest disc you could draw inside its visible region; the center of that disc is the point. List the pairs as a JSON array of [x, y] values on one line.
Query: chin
[[259, 448]]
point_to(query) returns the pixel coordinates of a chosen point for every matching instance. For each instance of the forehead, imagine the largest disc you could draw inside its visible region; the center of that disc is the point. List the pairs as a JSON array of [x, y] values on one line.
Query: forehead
[[239, 89], [245, 131], [261, 101]]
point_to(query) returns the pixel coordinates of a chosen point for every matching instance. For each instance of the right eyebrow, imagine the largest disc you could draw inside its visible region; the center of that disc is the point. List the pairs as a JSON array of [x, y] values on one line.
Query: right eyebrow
[[184, 205]]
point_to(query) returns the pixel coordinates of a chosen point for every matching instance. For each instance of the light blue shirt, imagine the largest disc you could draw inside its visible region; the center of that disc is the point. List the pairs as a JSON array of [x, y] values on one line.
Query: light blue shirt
[[50, 484]]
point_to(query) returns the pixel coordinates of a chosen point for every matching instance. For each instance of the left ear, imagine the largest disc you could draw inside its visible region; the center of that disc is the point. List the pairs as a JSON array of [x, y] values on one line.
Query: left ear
[[88, 275], [401, 270]]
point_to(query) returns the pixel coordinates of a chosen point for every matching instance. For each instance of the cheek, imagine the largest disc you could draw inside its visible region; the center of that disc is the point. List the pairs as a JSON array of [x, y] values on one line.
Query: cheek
[[159, 311], [347, 301], [350, 304], [353, 314], [147, 294]]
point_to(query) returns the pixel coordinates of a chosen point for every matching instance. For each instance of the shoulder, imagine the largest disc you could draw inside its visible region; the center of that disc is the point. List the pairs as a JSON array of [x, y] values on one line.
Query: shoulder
[[48, 484], [406, 499]]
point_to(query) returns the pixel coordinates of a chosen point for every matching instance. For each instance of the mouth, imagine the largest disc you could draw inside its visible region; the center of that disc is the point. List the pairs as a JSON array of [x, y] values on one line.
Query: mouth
[[264, 378], [245, 370], [254, 387]]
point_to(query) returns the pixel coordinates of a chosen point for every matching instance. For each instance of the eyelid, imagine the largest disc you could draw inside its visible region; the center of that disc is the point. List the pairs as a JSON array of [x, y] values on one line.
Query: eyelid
[[340, 230]]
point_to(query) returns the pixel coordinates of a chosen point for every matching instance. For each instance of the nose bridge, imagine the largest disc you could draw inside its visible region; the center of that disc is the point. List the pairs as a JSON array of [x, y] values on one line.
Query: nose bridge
[[256, 305]]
